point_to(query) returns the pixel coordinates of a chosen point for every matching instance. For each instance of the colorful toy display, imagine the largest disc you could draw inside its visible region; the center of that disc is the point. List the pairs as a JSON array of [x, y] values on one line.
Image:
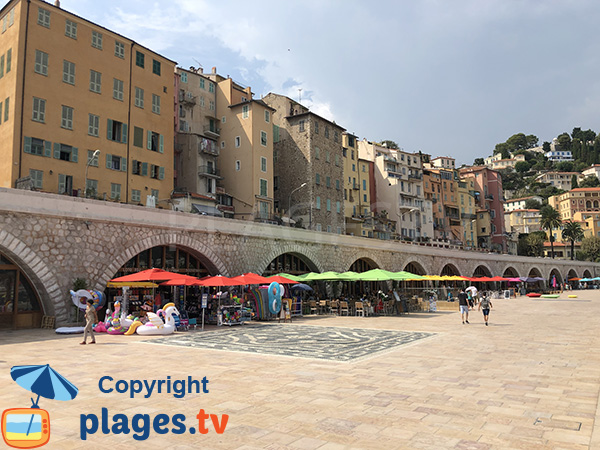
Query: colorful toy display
[[81, 297], [275, 297], [155, 325]]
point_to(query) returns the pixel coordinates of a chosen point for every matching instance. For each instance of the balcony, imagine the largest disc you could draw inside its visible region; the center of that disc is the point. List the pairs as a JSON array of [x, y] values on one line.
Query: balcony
[[209, 149], [468, 216], [208, 171], [415, 176], [268, 218], [489, 197], [358, 217], [355, 186], [212, 131], [187, 98]]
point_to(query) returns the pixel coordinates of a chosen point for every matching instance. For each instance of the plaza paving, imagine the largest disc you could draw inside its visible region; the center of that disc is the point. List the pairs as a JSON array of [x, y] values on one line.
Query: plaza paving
[[531, 380]]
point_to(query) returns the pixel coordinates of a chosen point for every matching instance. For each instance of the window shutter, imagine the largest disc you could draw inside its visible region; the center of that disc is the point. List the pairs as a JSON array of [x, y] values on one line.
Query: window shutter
[[27, 144], [74, 154], [161, 148], [123, 164], [145, 169], [161, 173], [56, 150], [61, 183], [109, 161], [134, 165], [109, 126], [48, 149], [124, 137], [149, 142]]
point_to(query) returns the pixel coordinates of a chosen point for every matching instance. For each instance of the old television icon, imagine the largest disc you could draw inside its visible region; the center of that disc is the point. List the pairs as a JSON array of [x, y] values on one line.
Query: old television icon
[[25, 427]]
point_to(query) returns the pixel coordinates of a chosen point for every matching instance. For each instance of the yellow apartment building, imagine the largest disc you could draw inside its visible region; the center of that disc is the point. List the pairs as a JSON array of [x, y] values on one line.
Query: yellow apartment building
[[578, 199], [84, 109], [468, 211], [523, 221], [357, 191], [246, 149]]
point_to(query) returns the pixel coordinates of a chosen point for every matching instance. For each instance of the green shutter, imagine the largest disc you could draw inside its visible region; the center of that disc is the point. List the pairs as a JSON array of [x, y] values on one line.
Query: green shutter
[[109, 127], [161, 173], [161, 148], [61, 183], [56, 150], [123, 164], [145, 169], [48, 149], [27, 144], [134, 165], [124, 137], [275, 133], [109, 161], [74, 154], [149, 142]]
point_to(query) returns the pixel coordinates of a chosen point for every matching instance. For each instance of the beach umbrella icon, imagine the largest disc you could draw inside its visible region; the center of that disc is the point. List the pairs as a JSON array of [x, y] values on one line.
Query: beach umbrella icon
[[44, 381]]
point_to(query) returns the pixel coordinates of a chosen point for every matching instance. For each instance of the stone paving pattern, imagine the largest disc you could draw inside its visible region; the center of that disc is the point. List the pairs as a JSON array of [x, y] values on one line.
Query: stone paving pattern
[[531, 380]]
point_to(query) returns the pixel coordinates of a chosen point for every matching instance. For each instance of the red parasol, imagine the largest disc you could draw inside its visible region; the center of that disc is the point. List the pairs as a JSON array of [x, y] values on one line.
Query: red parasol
[[182, 282], [281, 280], [482, 279], [251, 278], [499, 279], [154, 275], [218, 280]]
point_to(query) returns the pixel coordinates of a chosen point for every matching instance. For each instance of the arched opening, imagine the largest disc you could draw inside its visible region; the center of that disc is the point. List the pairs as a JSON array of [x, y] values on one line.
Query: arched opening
[[167, 257], [588, 205], [361, 287], [450, 270], [587, 274], [572, 274], [482, 271], [291, 263], [595, 204], [555, 279], [510, 272], [415, 267], [20, 305], [535, 272]]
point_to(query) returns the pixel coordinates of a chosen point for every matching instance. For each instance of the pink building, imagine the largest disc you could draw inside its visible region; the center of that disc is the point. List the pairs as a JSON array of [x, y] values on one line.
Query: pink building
[[489, 197]]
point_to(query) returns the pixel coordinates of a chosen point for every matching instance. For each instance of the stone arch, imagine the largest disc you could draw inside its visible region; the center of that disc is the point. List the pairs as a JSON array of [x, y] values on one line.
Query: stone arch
[[198, 248], [39, 274], [307, 255], [535, 272], [449, 269], [587, 274], [415, 267], [554, 272], [482, 270], [367, 264], [571, 274], [510, 272]]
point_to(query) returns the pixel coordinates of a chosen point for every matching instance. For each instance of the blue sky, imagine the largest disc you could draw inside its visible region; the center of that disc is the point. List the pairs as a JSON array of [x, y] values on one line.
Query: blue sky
[[446, 77]]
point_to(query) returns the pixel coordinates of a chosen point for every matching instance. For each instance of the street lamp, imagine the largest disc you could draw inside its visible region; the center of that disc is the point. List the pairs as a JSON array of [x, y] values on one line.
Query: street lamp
[[87, 166], [290, 201]]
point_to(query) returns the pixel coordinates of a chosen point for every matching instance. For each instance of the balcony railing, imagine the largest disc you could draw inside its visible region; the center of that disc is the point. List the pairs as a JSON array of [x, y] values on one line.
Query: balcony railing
[[208, 170], [416, 176], [355, 186], [212, 131], [468, 216], [267, 218], [187, 98]]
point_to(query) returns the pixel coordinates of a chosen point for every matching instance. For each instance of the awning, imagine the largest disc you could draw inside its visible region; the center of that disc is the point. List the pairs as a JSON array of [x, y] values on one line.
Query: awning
[[206, 210]]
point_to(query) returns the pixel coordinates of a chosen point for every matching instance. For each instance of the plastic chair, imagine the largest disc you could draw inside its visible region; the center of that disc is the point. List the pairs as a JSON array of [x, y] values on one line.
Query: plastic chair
[[359, 308], [344, 307], [192, 323], [313, 307]]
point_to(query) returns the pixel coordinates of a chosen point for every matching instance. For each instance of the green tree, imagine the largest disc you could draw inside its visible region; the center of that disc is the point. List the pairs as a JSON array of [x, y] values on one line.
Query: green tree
[[517, 142], [590, 246], [389, 144], [478, 162], [564, 141], [532, 203], [590, 181], [565, 166], [572, 232], [546, 147], [531, 244], [522, 167], [503, 150], [574, 184], [550, 220]]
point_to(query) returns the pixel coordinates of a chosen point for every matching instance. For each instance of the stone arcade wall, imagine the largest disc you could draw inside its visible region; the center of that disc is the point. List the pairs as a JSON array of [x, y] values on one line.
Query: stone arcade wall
[[55, 239]]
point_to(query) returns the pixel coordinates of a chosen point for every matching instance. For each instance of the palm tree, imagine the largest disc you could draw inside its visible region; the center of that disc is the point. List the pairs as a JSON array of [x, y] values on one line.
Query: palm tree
[[550, 220], [572, 231]]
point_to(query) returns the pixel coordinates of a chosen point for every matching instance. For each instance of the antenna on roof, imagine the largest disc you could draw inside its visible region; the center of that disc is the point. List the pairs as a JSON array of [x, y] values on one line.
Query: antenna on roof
[[300, 95]]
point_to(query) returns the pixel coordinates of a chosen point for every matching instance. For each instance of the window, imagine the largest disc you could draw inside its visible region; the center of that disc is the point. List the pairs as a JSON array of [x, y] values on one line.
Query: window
[[238, 166], [327, 157], [11, 19], [68, 72], [37, 147], [39, 110], [97, 40], [337, 160], [67, 117], [1, 66], [238, 141], [301, 125], [65, 152], [138, 137], [139, 59], [43, 17], [136, 195], [317, 153], [326, 131], [328, 204], [8, 60], [202, 83], [318, 202], [95, 81], [155, 104], [263, 188], [93, 125], [338, 207], [155, 67], [263, 164], [267, 116], [263, 138], [115, 191], [117, 89], [116, 131], [328, 182], [364, 185], [245, 111], [211, 87], [337, 184], [139, 97], [183, 77], [41, 62], [318, 226], [6, 107], [317, 178], [36, 178], [316, 127], [155, 142], [336, 136], [119, 50], [211, 105], [91, 159], [91, 188], [157, 172], [71, 29]]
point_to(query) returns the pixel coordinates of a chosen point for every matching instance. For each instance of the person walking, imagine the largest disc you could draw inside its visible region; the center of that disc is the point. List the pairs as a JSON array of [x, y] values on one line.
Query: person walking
[[485, 304], [91, 319], [464, 306]]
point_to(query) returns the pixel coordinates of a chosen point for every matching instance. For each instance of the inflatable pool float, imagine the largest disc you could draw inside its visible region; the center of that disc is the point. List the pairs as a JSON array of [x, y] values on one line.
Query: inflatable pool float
[[550, 295], [69, 330], [155, 325], [572, 296], [534, 294]]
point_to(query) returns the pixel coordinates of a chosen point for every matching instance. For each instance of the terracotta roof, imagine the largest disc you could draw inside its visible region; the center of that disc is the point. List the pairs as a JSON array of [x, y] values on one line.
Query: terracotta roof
[[594, 189]]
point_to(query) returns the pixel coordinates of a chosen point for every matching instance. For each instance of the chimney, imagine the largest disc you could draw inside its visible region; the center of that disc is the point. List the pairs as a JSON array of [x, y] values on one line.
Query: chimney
[[214, 70], [57, 3]]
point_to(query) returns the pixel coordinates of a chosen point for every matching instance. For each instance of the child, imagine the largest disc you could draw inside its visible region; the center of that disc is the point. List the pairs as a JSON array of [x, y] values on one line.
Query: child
[[485, 304], [91, 318]]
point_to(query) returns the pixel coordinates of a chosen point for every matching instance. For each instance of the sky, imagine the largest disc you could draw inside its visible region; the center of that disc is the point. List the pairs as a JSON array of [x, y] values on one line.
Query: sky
[[449, 78]]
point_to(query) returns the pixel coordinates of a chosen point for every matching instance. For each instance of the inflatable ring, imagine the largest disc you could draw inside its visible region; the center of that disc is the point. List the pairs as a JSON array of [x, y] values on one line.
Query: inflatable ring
[[274, 297], [81, 297]]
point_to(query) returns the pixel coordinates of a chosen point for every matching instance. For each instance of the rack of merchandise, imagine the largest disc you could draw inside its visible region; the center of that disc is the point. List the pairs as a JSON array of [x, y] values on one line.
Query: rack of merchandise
[[233, 315]]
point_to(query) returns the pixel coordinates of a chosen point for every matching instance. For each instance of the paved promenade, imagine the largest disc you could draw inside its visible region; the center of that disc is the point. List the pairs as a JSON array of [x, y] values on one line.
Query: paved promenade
[[531, 380]]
